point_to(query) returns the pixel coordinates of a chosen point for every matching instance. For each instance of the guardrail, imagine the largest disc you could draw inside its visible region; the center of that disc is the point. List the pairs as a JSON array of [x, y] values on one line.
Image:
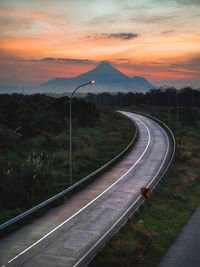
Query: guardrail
[[169, 165], [138, 203], [46, 202]]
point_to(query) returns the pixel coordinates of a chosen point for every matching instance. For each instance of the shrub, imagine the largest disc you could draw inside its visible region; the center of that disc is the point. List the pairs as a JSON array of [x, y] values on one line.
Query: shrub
[[23, 180], [8, 137]]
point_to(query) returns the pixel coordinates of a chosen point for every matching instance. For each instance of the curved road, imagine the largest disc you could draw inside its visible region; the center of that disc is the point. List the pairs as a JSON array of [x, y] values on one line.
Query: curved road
[[65, 235]]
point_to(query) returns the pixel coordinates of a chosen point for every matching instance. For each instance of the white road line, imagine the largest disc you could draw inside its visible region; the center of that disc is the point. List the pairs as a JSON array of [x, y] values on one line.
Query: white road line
[[132, 205], [34, 244], [164, 157]]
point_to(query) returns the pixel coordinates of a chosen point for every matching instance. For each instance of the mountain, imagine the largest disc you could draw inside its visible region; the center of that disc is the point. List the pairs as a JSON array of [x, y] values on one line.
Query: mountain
[[141, 82], [104, 74], [107, 79]]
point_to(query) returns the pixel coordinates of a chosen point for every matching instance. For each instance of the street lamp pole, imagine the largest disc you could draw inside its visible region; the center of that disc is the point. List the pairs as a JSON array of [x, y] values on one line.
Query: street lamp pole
[[168, 92], [169, 108], [134, 97], [177, 113], [70, 129], [192, 102], [153, 104]]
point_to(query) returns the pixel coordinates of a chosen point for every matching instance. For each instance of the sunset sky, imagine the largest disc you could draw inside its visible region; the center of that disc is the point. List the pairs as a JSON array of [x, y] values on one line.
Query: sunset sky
[[44, 39]]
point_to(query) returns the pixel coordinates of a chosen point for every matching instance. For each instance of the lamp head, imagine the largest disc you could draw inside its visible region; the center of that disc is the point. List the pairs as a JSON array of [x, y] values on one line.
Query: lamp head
[[92, 81]]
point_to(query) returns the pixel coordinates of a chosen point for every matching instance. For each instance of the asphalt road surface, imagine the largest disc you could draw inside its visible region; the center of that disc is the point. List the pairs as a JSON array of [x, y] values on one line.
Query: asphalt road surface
[[65, 234]]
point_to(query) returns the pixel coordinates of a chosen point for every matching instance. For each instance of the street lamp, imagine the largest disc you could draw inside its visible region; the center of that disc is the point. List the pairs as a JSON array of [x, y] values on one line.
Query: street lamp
[[70, 128]]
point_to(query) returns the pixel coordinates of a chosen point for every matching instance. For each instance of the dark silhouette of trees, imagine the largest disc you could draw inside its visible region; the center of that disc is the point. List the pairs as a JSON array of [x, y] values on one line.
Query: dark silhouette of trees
[[155, 97], [37, 114]]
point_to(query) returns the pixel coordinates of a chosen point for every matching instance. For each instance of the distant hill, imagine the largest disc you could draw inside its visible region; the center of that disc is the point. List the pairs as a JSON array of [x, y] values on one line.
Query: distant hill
[[180, 83], [107, 78]]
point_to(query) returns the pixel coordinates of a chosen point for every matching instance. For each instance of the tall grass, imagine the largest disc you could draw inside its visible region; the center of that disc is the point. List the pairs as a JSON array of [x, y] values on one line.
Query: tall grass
[[39, 167]]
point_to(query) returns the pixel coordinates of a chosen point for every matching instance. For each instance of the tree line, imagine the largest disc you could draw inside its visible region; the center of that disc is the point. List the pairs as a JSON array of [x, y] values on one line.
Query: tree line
[[155, 97], [23, 116]]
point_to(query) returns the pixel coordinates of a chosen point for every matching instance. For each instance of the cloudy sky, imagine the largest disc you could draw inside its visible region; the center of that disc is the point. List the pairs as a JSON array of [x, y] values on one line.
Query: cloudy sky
[[44, 39]]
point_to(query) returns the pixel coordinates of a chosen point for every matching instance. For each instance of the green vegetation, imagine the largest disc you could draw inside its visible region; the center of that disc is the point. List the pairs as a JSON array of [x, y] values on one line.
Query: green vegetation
[[147, 236], [34, 146]]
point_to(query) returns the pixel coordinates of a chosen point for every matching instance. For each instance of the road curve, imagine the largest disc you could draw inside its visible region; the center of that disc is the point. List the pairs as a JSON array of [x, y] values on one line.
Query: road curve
[[64, 236]]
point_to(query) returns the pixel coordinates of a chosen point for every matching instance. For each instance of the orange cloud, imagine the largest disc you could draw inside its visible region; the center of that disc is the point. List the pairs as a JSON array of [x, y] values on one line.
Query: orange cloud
[[156, 50]]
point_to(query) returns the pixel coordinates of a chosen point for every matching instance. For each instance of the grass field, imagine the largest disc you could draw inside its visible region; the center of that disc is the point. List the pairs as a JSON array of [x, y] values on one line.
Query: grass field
[[47, 160], [146, 237]]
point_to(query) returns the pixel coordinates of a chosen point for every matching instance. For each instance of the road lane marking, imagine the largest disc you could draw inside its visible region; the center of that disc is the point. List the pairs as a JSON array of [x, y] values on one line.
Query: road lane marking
[[126, 212], [164, 157], [60, 225]]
